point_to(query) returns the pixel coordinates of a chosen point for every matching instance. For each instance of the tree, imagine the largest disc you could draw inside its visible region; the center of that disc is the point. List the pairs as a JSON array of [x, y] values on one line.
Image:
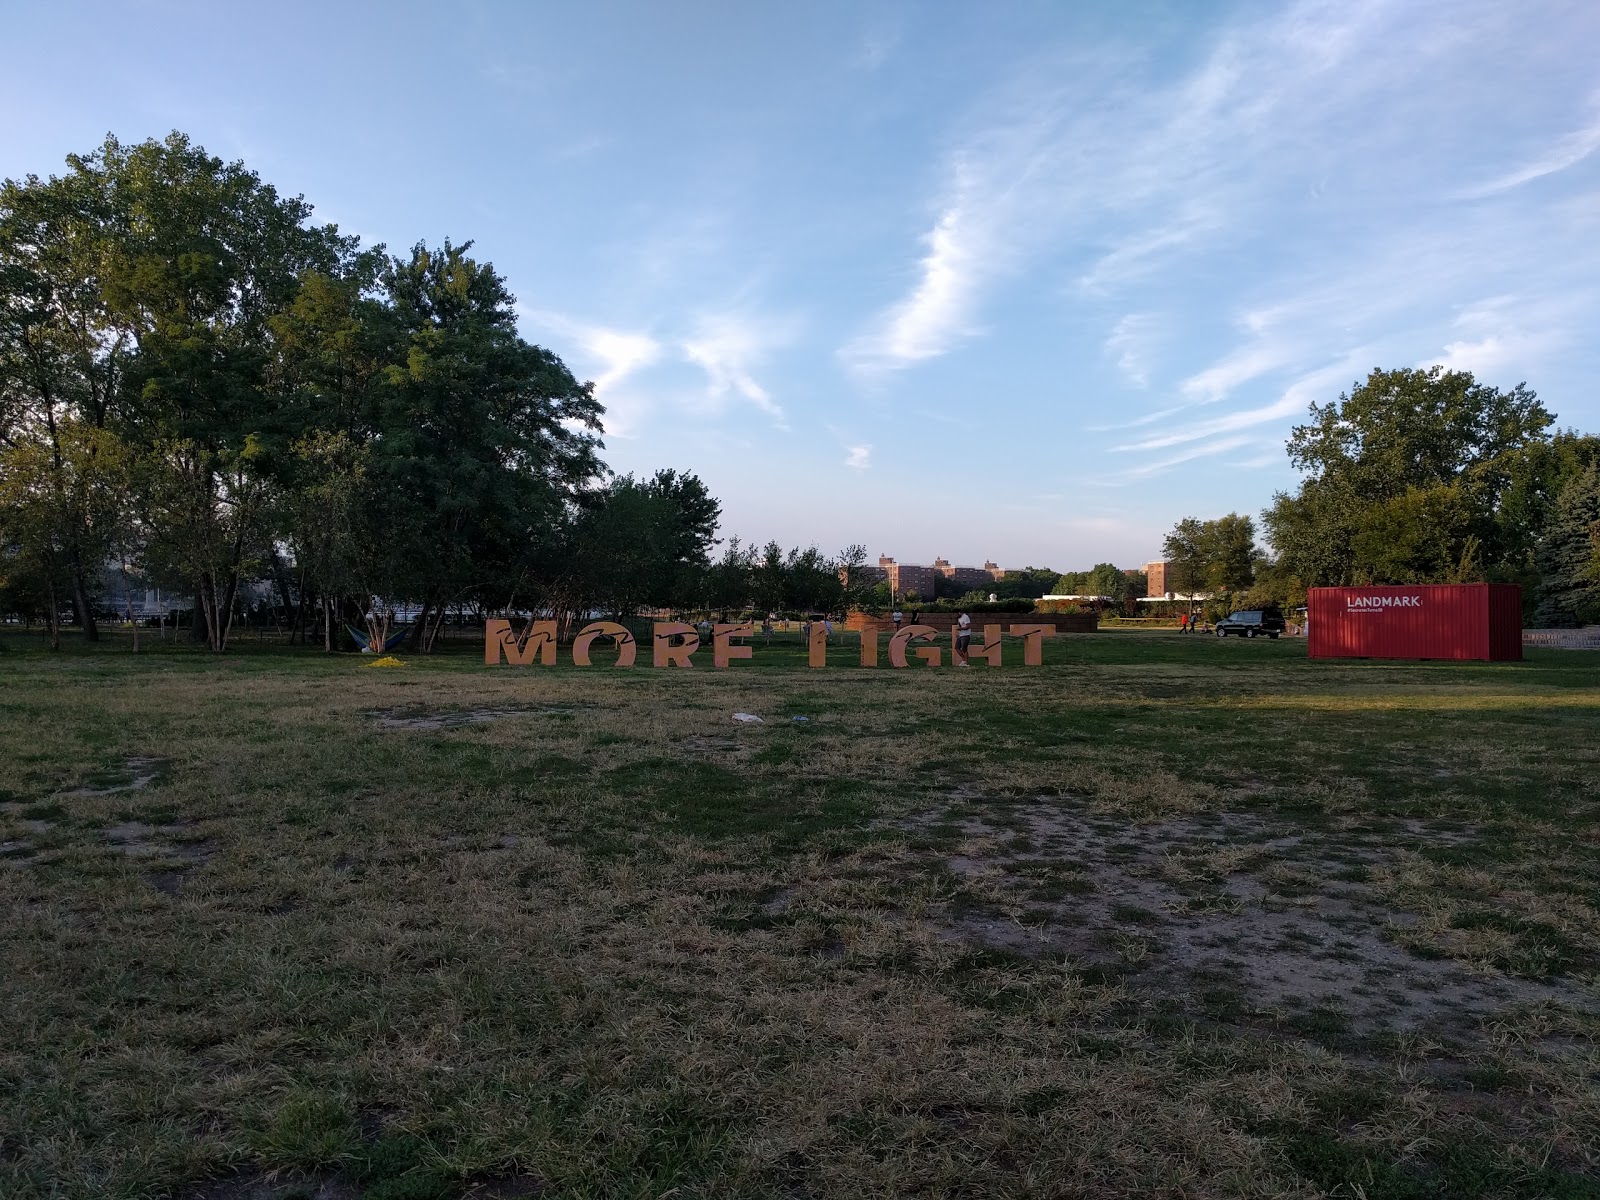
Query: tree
[[1569, 556], [326, 521], [63, 503], [1187, 557], [480, 440], [854, 578], [59, 362], [729, 585], [1218, 556], [207, 516], [1390, 459]]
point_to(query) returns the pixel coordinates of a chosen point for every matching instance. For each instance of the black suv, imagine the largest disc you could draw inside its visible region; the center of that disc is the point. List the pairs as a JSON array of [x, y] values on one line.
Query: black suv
[[1252, 622]]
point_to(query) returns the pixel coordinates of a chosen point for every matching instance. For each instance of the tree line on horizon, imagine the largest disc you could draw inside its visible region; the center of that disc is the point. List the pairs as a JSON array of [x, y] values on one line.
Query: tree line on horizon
[[1417, 475], [203, 389]]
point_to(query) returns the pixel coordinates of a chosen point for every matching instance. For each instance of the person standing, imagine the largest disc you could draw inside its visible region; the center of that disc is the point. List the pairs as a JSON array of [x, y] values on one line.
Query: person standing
[[766, 628], [897, 616], [963, 638], [827, 630]]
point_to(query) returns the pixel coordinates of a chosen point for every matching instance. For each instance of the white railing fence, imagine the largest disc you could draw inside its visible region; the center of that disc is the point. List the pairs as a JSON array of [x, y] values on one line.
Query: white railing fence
[[1587, 638]]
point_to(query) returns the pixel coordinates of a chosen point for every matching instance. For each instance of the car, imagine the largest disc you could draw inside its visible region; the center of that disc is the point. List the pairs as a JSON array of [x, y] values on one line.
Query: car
[[1252, 622]]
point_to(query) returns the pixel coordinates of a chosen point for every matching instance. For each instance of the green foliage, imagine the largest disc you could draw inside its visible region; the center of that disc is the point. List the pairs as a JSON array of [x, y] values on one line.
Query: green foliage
[[1406, 475], [1103, 579], [1218, 556], [1569, 555]]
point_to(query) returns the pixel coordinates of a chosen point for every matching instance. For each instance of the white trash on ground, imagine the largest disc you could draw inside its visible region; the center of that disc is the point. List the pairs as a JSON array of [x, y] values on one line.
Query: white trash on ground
[[748, 718]]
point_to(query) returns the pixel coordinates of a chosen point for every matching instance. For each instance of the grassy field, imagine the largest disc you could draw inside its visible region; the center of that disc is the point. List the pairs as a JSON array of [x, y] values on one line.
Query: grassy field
[[1165, 917]]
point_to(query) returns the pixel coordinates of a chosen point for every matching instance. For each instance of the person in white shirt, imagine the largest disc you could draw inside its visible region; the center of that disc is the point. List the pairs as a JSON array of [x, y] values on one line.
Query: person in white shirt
[[896, 617], [827, 630], [963, 638]]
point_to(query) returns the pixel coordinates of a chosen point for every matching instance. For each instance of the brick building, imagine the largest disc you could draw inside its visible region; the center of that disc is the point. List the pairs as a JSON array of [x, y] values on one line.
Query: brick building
[[965, 578], [1155, 574], [904, 577]]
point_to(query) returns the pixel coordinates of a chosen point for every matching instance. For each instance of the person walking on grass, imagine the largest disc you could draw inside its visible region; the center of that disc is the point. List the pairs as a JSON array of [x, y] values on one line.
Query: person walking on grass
[[827, 630], [963, 639], [1183, 622], [766, 628]]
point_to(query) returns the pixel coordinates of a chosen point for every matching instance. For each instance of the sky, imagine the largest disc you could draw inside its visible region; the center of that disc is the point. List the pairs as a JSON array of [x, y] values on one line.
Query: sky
[[1021, 281]]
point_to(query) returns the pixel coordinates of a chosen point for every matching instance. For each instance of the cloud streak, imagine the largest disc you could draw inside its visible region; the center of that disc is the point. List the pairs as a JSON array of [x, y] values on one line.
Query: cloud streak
[[729, 348], [1569, 151]]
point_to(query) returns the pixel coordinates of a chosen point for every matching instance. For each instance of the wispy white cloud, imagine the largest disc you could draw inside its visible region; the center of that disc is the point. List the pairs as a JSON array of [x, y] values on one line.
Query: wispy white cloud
[[938, 311], [1162, 465], [1131, 172], [1508, 331], [1219, 380], [729, 348], [1221, 433], [860, 457], [1567, 152], [1129, 344], [612, 355], [1142, 253]]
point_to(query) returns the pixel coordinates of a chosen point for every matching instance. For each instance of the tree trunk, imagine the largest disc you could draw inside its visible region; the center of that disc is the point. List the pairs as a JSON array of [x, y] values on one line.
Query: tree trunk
[[419, 630], [54, 617], [230, 594], [297, 630], [80, 601], [282, 579], [198, 629]]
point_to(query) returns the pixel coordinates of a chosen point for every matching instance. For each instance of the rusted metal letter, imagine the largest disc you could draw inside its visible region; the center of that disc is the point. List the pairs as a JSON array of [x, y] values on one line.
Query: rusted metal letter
[[537, 643], [931, 655], [1032, 641], [721, 651], [665, 652], [627, 648]]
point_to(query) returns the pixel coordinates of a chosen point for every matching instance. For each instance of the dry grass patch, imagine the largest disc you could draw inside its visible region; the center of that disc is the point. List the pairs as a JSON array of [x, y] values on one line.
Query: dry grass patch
[[580, 934]]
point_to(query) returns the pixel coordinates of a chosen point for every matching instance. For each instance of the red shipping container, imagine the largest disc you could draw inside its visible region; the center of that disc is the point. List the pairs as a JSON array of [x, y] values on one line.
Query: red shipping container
[[1480, 621]]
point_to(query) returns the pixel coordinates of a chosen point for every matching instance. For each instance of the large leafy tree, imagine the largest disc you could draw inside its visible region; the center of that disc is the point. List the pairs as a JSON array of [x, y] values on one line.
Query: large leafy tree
[[1405, 475], [1219, 556], [479, 440], [61, 359], [139, 288], [63, 500], [1569, 555]]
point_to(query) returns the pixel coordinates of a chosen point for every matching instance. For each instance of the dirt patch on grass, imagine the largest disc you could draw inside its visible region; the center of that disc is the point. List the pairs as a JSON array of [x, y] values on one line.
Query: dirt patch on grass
[[133, 775], [1230, 913], [457, 719], [260, 1186], [166, 844], [703, 744]]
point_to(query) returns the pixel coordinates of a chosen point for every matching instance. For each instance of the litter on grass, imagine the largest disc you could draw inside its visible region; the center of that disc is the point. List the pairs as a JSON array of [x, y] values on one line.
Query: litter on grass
[[799, 720], [388, 660], [748, 718]]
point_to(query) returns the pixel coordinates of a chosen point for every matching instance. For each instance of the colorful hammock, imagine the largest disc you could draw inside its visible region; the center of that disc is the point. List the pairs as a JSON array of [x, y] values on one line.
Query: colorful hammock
[[389, 643]]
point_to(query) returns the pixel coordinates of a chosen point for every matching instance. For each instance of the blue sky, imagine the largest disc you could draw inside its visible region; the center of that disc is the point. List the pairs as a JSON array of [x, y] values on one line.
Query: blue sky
[[1028, 281]]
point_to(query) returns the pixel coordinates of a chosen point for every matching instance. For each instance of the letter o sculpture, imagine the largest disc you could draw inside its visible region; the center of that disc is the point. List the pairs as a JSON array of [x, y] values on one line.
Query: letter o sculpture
[[627, 648]]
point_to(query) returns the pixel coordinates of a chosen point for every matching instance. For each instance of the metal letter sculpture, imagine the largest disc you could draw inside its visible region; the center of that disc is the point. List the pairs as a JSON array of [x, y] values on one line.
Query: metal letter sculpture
[[1032, 641], [818, 645], [869, 647], [627, 648], [666, 652], [721, 651], [537, 643], [989, 651], [922, 633]]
